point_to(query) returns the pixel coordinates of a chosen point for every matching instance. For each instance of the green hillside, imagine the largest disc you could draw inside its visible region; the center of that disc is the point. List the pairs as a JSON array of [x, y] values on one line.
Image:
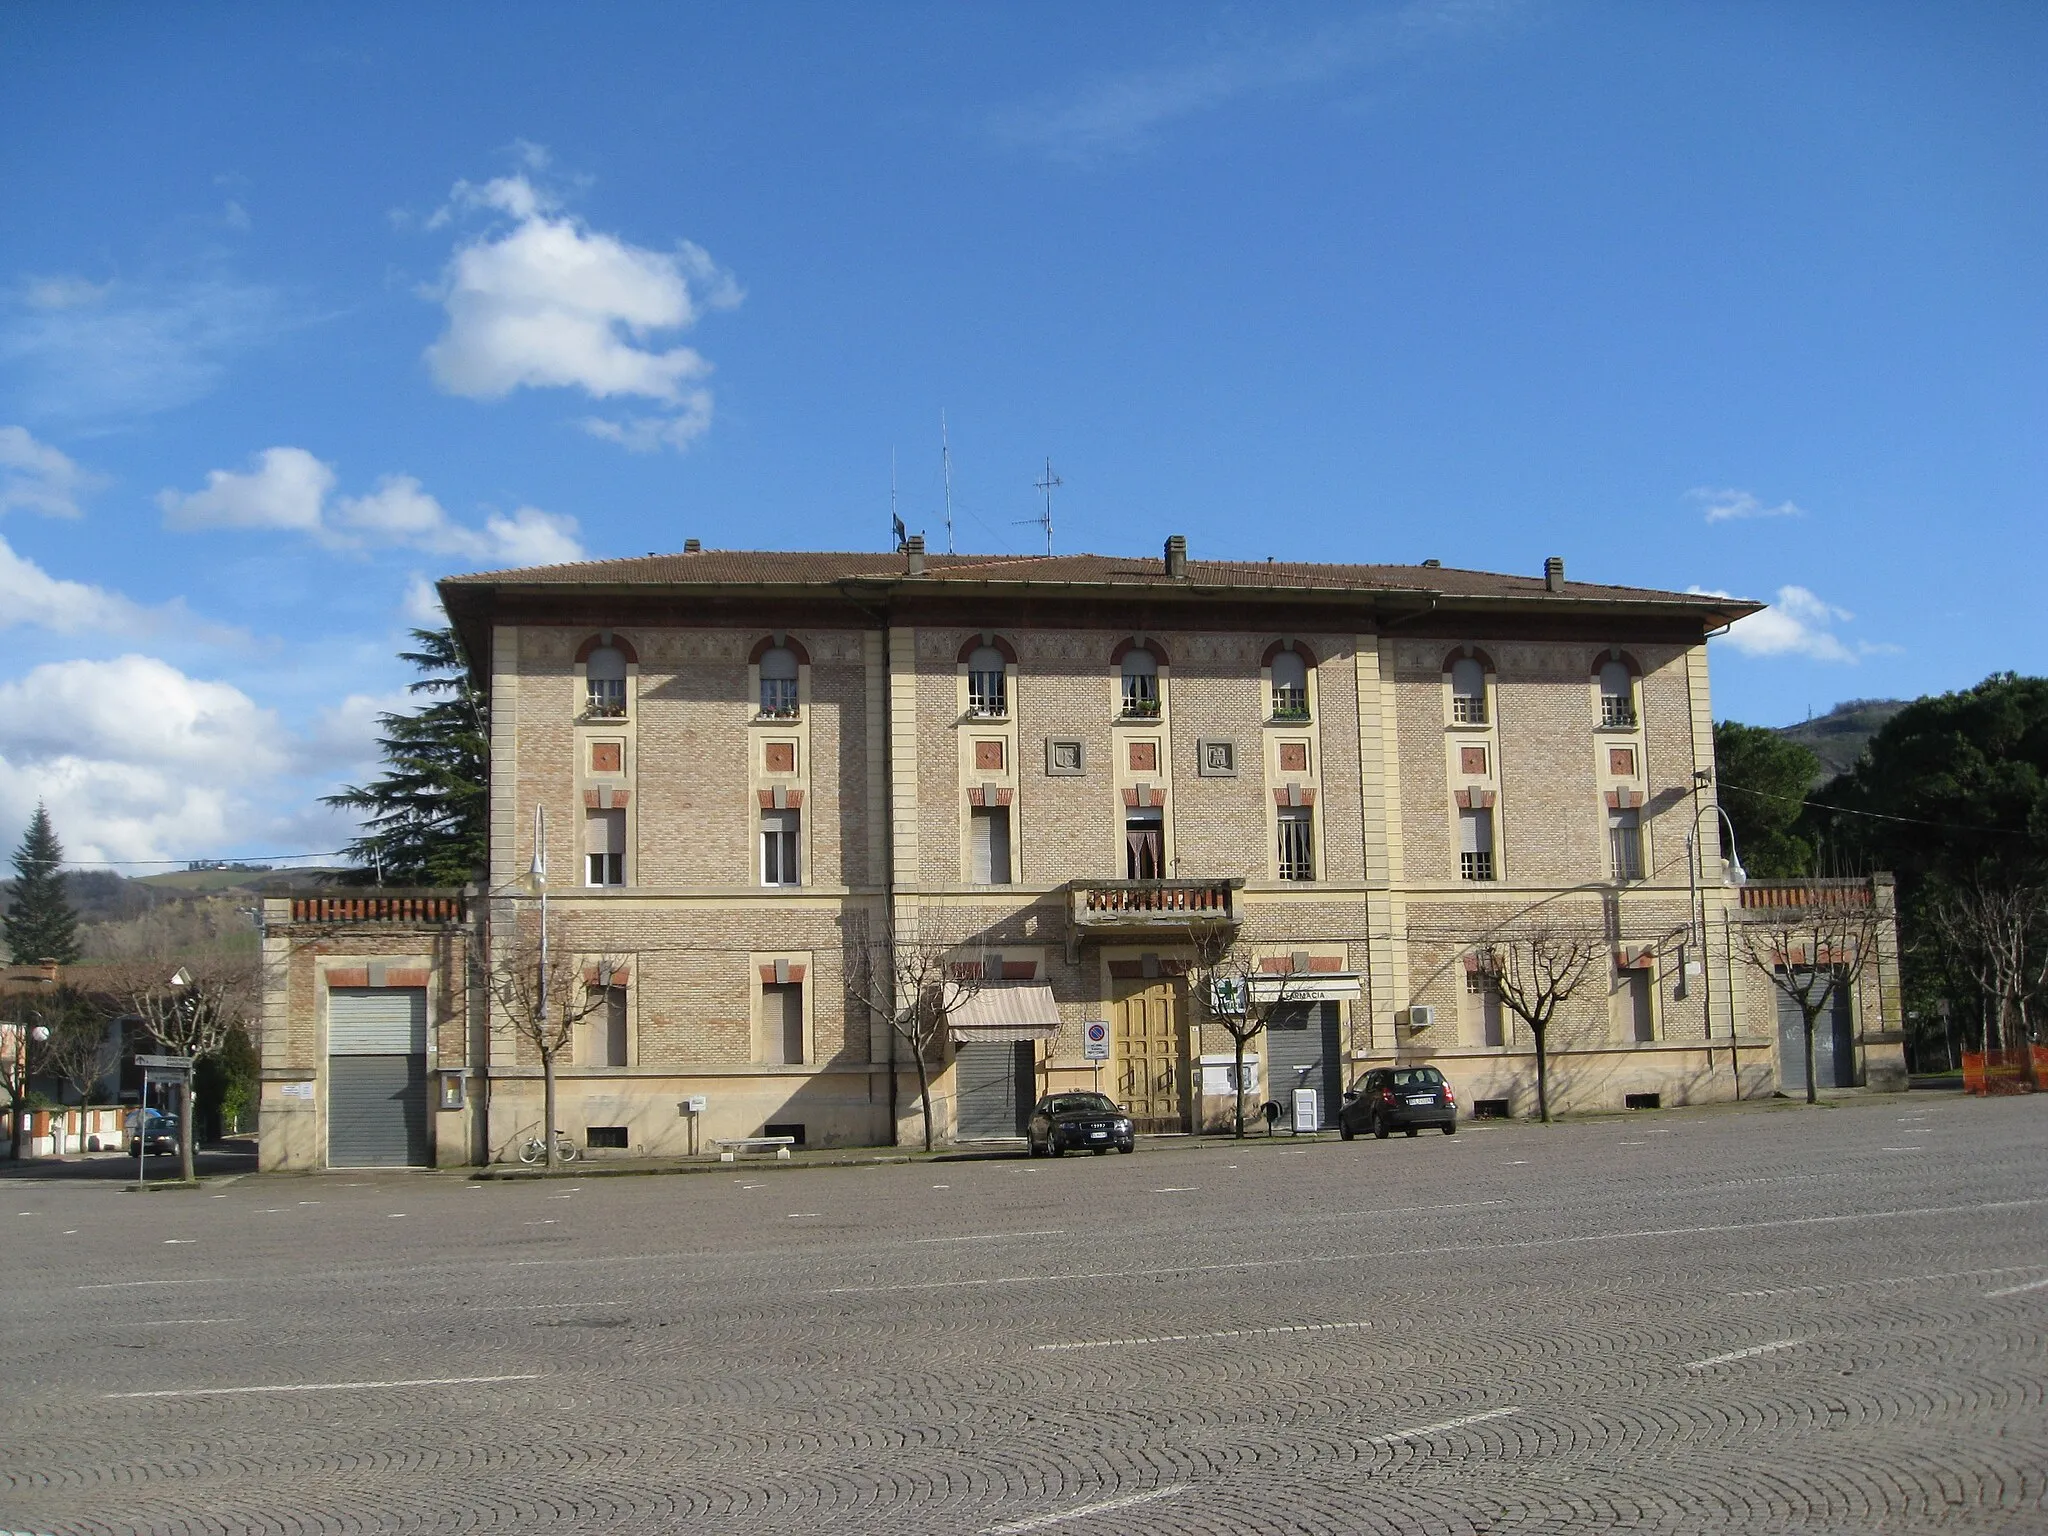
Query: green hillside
[[1838, 737]]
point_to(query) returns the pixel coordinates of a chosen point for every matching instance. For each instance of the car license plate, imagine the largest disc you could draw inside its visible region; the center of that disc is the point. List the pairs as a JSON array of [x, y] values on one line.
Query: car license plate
[[1099, 1135], [1421, 1098]]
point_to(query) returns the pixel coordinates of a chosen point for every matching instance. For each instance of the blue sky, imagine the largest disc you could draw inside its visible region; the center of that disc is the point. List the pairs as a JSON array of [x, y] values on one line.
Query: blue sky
[[301, 307]]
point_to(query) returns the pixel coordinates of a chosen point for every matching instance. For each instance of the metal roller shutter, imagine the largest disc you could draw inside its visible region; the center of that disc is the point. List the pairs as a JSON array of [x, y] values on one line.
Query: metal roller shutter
[[377, 1078], [993, 1089], [1303, 1051]]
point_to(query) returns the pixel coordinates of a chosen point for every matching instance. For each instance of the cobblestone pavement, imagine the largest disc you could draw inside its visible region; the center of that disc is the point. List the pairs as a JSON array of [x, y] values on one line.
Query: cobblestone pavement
[[1756, 1319]]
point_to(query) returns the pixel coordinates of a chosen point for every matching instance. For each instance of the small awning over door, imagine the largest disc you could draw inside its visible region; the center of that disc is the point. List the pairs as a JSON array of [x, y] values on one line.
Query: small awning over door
[[998, 1014]]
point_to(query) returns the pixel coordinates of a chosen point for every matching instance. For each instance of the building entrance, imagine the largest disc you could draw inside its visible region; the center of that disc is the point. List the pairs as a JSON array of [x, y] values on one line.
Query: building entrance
[[1149, 1029]]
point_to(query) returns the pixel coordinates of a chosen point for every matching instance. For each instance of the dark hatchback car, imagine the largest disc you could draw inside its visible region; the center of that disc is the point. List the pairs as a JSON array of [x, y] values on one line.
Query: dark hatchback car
[[1391, 1099], [157, 1129], [1077, 1122]]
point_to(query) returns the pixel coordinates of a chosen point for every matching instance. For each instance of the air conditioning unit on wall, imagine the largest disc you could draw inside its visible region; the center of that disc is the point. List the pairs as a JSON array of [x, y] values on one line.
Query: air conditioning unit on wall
[[1421, 1016]]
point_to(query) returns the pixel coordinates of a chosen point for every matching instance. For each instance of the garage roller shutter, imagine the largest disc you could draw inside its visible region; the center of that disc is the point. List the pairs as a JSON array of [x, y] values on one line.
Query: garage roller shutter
[[377, 1078], [377, 1021]]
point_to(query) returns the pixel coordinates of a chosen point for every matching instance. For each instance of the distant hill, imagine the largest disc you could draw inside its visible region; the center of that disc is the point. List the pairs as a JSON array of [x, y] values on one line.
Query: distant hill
[[1838, 737], [204, 909]]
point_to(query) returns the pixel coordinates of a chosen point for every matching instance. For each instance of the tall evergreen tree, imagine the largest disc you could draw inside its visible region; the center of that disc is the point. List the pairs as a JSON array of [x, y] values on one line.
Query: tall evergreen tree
[[427, 817], [40, 923]]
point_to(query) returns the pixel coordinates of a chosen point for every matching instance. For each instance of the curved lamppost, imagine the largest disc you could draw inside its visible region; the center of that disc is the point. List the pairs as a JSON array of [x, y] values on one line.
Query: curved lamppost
[[1735, 876]]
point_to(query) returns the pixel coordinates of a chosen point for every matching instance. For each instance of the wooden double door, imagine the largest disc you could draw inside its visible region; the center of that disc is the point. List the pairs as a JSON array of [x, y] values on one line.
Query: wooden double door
[[1149, 1041]]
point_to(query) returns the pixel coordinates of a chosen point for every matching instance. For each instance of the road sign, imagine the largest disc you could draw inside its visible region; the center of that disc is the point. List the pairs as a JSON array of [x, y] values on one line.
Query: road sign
[[1095, 1040], [180, 1063]]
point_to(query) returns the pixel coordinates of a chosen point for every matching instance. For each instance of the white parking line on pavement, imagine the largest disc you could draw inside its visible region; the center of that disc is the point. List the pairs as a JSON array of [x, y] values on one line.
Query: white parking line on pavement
[[122, 1285], [185, 1322], [326, 1386], [991, 1237], [1744, 1354], [1404, 1210], [1448, 1248], [1227, 1333], [1943, 1274], [1041, 1522], [1395, 1437], [2014, 1290], [1176, 1189]]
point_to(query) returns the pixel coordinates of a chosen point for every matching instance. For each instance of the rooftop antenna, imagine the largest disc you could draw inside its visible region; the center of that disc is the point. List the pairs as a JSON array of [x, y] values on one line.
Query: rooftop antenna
[[896, 527], [946, 468], [1046, 485]]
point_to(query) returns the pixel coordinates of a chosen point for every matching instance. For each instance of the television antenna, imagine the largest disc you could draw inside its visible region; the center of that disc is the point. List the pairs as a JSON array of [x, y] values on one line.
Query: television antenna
[[896, 528], [1045, 485], [946, 469]]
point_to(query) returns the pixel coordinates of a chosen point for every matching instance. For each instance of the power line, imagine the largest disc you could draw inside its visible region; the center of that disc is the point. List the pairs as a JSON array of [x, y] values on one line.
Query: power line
[[252, 858], [1844, 810]]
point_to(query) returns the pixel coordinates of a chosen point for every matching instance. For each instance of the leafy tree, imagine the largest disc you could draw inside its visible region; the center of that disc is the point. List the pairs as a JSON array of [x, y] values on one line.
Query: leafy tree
[[40, 923], [426, 820], [1952, 788], [1952, 796], [1764, 780]]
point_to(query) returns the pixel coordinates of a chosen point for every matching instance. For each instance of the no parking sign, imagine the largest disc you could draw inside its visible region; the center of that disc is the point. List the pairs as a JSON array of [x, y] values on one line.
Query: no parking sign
[[1095, 1040]]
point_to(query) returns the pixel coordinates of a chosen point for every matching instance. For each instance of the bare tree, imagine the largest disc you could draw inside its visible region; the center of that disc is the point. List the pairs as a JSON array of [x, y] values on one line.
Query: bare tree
[[1812, 950], [912, 981], [75, 1054], [1995, 932], [1237, 992], [1536, 967], [188, 1009], [542, 997]]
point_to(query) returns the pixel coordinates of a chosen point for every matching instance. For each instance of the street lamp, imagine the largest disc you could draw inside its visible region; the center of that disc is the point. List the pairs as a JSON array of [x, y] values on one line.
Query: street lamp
[[1734, 875]]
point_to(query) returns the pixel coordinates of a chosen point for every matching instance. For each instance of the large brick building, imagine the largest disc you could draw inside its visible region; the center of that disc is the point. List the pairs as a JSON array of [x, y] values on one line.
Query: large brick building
[[1060, 768]]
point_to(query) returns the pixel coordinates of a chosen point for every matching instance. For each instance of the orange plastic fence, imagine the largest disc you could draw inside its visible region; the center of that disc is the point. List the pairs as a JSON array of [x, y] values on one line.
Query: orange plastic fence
[[2004, 1071]]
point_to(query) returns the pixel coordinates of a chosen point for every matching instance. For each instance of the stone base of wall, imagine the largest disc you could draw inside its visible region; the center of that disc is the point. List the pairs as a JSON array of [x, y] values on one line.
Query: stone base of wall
[[843, 1108]]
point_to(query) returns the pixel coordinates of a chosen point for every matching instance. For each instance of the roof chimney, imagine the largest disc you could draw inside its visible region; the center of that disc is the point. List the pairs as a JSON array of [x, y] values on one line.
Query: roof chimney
[[1553, 573], [693, 546], [914, 547], [1177, 555]]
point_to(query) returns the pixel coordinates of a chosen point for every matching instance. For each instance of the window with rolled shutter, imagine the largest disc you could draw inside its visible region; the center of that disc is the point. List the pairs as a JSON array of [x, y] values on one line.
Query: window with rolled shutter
[[989, 844], [604, 846]]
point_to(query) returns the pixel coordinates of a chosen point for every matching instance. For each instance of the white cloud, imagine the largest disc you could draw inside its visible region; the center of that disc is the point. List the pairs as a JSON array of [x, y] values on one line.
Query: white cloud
[[422, 604], [31, 595], [289, 488], [1797, 624], [133, 757], [1122, 113], [65, 292], [546, 302], [34, 477], [1728, 504], [82, 351], [285, 489], [533, 537]]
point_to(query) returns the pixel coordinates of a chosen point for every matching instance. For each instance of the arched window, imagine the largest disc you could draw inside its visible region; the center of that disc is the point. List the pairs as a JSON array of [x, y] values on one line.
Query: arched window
[[604, 671], [1617, 694], [1468, 691], [986, 693], [1290, 686], [1141, 682], [778, 682]]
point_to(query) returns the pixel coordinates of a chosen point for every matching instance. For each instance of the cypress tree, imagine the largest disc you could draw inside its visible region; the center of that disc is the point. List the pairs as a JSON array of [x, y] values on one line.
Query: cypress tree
[[40, 923]]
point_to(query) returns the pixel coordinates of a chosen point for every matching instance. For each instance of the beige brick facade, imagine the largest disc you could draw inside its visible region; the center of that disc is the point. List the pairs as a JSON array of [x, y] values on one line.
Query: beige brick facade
[[882, 766]]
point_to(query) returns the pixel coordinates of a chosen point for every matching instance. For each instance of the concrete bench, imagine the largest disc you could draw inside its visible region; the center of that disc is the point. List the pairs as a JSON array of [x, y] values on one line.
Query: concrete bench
[[779, 1145]]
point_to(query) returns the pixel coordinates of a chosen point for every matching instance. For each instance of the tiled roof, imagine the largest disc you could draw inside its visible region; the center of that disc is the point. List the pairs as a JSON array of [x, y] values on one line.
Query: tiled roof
[[796, 568]]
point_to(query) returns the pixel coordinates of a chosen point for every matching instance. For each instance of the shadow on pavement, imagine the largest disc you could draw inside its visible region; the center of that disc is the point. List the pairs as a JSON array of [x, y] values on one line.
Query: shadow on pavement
[[211, 1162]]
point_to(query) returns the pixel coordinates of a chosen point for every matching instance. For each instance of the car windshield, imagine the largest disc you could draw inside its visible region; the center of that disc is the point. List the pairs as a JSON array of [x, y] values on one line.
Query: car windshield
[[1080, 1104]]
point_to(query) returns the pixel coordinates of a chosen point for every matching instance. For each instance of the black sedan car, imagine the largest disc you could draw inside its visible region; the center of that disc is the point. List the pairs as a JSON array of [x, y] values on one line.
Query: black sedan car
[[1078, 1122], [1391, 1099]]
